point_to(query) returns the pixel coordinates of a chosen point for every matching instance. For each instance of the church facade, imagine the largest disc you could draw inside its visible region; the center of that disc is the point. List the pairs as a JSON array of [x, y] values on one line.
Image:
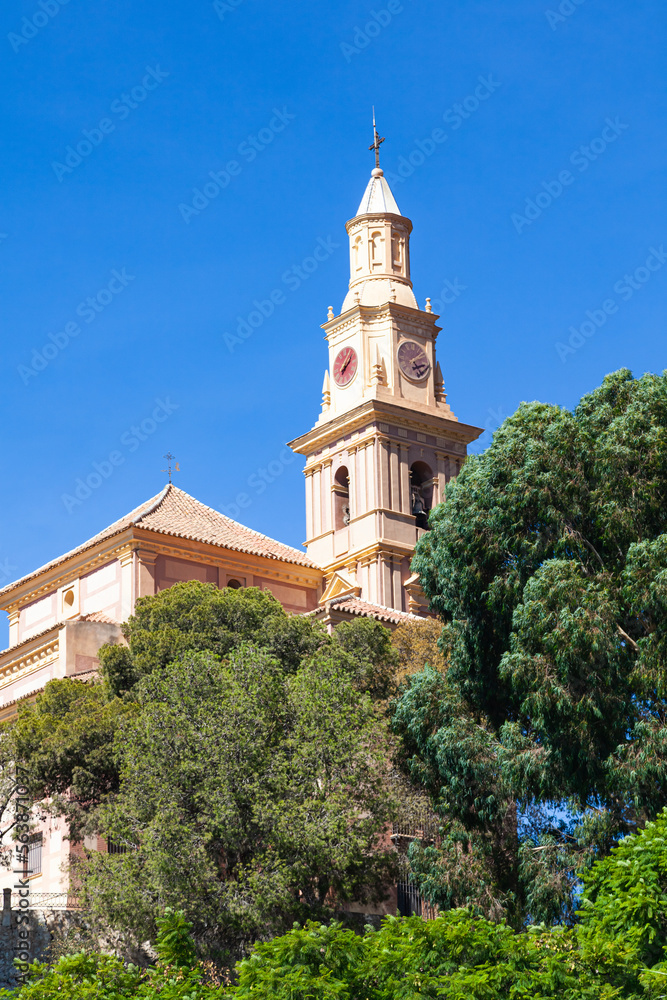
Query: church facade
[[377, 460]]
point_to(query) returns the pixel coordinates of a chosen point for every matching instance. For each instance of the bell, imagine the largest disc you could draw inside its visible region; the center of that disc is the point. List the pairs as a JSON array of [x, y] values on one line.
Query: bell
[[417, 505]]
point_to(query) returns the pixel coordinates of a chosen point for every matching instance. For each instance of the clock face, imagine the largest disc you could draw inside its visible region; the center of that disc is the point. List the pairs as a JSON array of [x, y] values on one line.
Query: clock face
[[412, 361], [345, 366]]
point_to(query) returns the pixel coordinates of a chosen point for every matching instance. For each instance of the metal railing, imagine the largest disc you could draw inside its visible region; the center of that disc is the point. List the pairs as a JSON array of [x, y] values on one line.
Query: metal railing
[[419, 827], [47, 901]]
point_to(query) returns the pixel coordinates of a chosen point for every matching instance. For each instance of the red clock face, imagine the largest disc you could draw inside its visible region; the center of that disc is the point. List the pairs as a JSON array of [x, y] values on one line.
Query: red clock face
[[345, 366]]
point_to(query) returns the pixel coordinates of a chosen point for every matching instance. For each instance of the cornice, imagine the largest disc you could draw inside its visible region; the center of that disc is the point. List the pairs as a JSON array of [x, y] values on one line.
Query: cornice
[[69, 571], [389, 550], [27, 661], [360, 313], [382, 411], [370, 217], [212, 555]]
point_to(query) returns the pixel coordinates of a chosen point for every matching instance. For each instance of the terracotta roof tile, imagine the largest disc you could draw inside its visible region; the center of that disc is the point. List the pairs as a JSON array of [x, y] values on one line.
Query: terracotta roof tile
[[97, 616], [174, 512], [29, 638], [180, 514], [364, 609]]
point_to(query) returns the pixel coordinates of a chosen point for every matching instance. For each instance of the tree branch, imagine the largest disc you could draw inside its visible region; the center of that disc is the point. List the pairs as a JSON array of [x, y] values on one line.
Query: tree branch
[[631, 642]]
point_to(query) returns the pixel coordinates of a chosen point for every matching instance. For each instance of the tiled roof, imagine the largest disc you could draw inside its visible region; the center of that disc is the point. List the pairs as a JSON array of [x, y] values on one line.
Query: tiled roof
[[364, 609], [174, 512], [97, 616], [29, 638]]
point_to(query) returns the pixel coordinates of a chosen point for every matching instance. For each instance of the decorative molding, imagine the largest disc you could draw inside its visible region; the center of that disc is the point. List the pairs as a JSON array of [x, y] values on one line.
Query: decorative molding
[[40, 656]]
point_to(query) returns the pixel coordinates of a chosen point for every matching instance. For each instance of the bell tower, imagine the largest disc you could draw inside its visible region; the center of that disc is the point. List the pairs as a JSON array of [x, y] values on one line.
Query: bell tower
[[386, 442]]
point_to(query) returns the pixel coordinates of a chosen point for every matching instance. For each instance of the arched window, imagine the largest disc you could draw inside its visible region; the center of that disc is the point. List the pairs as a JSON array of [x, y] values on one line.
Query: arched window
[[397, 251], [234, 584], [356, 254], [377, 240], [341, 492], [421, 491]]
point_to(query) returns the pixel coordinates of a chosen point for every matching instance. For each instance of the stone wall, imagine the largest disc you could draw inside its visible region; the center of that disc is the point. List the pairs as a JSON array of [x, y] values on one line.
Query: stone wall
[[11, 943]]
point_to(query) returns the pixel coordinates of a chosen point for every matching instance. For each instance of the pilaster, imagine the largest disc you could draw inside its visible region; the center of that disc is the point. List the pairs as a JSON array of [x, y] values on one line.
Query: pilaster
[[127, 583]]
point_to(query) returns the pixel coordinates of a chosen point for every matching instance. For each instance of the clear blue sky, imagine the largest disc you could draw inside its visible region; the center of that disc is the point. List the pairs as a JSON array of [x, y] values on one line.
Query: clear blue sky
[[169, 92]]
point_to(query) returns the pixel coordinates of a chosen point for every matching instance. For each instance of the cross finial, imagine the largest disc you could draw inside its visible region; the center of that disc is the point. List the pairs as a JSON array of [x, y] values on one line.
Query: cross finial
[[376, 142], [170, 458]]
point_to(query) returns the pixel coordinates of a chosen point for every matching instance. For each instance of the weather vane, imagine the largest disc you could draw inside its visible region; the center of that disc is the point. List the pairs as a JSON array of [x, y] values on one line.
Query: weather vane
[[376, 142], [170, 458]]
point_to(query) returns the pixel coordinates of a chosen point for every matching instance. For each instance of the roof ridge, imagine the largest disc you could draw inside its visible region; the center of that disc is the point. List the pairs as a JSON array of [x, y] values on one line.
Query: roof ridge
[[231, 520], [159, 499], [373, 604]]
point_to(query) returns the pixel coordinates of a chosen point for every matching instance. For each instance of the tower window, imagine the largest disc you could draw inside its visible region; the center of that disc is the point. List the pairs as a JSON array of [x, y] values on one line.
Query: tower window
[[421, 491], [397, 250], [356, 256], [341, 492], [377, 240]]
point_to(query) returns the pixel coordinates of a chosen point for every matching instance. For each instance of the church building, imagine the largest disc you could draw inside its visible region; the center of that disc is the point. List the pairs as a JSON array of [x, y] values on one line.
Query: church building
[[377, 460]]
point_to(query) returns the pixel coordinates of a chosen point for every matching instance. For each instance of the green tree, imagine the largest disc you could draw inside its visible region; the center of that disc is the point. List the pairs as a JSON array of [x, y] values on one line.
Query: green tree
[[65, 739], [236, 752], [192, 617], [64, 742], [548, 566], [248, 795]]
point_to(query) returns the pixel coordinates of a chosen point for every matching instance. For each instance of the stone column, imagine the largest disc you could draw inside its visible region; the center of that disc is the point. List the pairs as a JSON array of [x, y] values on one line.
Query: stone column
[[441, 477], [317, 501], [127, 588], [395, 487], [371, 475], [383, 445], [397, 584], [310, 528], [145, 582], [406, 499], [354, 481], [385, 571], [14, 616], [327, 496]]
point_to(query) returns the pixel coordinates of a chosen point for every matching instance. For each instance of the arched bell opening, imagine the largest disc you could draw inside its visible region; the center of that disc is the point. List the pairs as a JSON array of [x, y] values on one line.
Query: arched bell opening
[[341, 492], [421, 492]]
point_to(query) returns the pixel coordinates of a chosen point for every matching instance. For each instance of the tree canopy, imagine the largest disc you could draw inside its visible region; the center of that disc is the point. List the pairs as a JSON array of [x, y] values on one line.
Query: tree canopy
[[617, 952], [235, 756], [546, 737]]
